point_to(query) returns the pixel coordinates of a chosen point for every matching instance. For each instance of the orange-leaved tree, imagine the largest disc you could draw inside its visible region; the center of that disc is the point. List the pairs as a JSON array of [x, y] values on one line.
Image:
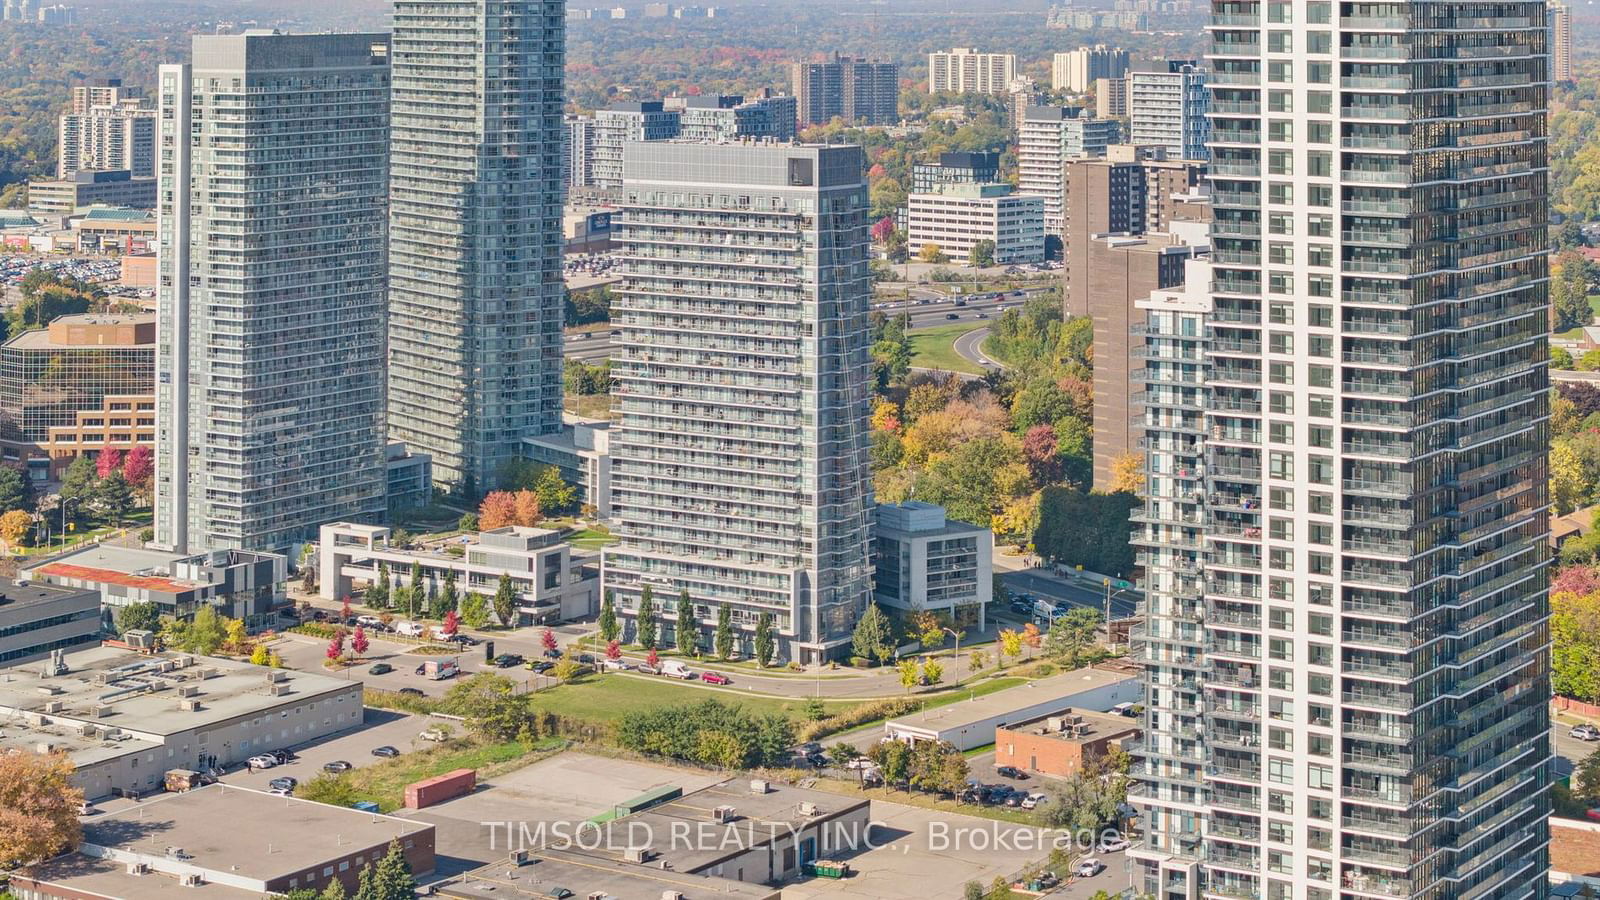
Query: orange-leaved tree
[[38, 807]]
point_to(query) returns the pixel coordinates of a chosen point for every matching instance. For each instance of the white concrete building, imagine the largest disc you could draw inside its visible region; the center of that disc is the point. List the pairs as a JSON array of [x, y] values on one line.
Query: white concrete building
[[1052, 135], [125, 717], [582, 451], [111, 136], [1076, 70], [1167, 108], [970, 723], [966, 71], [551, 585], [924, 561], [957, 216]]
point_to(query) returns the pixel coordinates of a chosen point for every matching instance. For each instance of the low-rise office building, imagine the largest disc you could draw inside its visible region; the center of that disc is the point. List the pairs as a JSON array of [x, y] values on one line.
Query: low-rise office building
[[36, 619], [924, 561], [410, 477], [194, 842], [551, 585], [582, 451], [972, 723], [124, 718], [106, 229], [955, 217], [64, 196], [955, 168], [241, 584], [1061, 742], [530, 875]]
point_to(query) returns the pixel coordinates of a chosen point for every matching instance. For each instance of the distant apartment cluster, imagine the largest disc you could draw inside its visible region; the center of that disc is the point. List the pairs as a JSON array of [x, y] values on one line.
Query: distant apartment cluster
[[592, 152], [38, 11], [647, 11]]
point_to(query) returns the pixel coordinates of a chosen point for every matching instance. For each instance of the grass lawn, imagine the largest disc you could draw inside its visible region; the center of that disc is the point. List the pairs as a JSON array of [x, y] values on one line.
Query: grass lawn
[[589, 406], [610, 696], [591, 538], [385, 783], [934, 348]]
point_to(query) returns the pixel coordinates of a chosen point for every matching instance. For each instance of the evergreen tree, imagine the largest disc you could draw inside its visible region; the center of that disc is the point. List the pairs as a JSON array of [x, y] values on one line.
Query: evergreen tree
[[474, 609], [872, 639], [505, 600], [392, 880], [334, 891], [608, 619], [414, 600], [724, 631], [647, 619], [688, 629], [447, 593], [378, 594], [764, 640]]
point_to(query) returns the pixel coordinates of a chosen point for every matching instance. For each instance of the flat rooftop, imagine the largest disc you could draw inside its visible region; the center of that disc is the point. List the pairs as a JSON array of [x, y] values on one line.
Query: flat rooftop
[[68, 738], [14, 595], [1012, 700], [88, 876], [1575, 847], [139, 692], [127, 566], [1101, 725], [698, 840], [212, 826], [584, 873]]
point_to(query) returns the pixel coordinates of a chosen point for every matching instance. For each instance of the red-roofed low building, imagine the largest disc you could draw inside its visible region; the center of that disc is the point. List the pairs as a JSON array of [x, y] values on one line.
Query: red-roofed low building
[[240, 584], [1574, 851]]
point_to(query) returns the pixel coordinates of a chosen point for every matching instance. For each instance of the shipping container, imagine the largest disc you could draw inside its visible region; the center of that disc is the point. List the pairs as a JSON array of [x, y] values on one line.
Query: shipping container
[[425, 793]]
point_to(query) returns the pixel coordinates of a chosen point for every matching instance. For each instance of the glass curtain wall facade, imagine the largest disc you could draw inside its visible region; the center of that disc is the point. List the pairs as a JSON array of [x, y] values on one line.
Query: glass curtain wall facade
[[739, 453], [1345, 532], [273, 160], [475, 201]]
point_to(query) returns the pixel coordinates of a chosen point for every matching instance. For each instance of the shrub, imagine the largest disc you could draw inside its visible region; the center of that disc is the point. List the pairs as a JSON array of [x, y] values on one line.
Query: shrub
[[856, 715], [861, 662], [316, 630]]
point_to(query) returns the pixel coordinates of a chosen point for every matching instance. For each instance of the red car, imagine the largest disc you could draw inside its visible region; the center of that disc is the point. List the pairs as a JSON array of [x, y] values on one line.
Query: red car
[[714, 678]]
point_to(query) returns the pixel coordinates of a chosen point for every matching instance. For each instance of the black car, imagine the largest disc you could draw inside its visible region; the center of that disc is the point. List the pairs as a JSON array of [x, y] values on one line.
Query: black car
[[283, 756], [386, 751], [337, 766], [952, 315], [587, 659], [552, 653], [467, 640], [1012, 772], [381, 668], [540, 666], [508, 660], [410, 692]]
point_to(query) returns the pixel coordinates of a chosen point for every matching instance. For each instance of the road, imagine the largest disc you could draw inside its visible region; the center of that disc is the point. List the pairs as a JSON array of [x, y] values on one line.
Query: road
[[1042, 584], [1569, 750], [927, 308], [970, 347]]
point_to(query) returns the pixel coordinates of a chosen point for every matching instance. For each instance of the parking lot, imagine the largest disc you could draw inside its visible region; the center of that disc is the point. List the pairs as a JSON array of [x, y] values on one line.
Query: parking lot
[[303, 652], [379, 728]]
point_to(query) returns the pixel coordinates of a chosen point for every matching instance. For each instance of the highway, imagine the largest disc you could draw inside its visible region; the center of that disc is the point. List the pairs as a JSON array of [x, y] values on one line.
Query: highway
[[927, 309]]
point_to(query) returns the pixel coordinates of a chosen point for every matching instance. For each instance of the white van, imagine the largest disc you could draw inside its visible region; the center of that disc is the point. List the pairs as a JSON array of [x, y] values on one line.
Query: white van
[[1124, 709], [675, 669], [410, 629]]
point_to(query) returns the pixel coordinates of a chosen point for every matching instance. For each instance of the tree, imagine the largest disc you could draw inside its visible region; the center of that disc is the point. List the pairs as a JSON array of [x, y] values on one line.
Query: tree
[[447, 594], [1010, 645], [452, 624], [931, 253], [1126, 475], [1570, 486], [687, 631], [335, 649], [14, 527], [238, 636], [1560, 358], [417, 594], [359, 642], [38, 807], [489, 705], [207, 632], [1088, 799], [982, 253], [883, 229], [528, 509], [1569, 292], [566, 668], [972, 890], [497, 510], [139, 616], [505, 601], [609, 629], [613, 649], [1030, 635], [764, 646], [872, 638], [138, 467], [107, 461], [555, 495], [910, 677], [647, 619], [391, 878], [932, 671], [1071, 633], [15, 492], [467, 522], [653, 659], [724, 637], [1085, 529], [1575, 645], [474, 609], [893, 759], [887, 197], [378, 594], [259, 655], [334, 790], [112, 497], [77, 484]]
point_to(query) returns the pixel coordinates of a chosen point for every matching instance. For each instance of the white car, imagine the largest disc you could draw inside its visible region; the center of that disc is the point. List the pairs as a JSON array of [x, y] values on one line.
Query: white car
[[281, 792], [616, 665], [261, 762], [1111, 844], [1032, 801], [861, 762], [1089, 868]]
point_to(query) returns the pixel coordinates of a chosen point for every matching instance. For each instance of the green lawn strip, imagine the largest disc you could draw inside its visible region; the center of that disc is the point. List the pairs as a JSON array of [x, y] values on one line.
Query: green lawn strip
[[979, 751], [611, 696], [589, 406], [592, 642], [385, 783], [934, 348], [934, 701]]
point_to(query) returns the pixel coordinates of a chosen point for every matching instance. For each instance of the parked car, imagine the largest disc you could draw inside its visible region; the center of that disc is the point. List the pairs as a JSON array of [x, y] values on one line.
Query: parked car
[[386, 751], [540, 666], [379, 669], [261, 762], [284, 782], [1014, 799], [1032, 800], [552, 653], [587, 659], [410, 629], [411, 691], [1012, 772], [436, 734], [1111, 843], [508, 660], [1089, 868], [716, 678], [337, 766], [674, 669], [617, 665], [861, 762], [467, 640], [282, 755], [647, 669], [369, 621], [1585, 733], [281, 792]]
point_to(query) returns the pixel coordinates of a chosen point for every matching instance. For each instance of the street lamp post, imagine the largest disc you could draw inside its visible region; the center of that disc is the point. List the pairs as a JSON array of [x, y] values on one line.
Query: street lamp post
[[957, 636]]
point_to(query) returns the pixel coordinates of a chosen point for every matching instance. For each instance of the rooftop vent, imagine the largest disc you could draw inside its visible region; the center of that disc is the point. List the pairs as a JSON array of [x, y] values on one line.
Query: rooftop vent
[[138, 868], [639, 855], [279, 690], [100, 710], [53, 706], [192, 879], [189, 705], [808, 809], [49, 690], [758, 786], [722, 815], [276, 675], [188, 690]]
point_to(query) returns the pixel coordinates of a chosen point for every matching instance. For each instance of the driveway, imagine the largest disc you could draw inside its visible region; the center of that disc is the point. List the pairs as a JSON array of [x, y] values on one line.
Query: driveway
[[379, 728]]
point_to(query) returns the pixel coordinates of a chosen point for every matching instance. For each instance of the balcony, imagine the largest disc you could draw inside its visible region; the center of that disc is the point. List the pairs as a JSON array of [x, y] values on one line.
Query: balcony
[[1379, 730], [1391, 763], [1381, 885], [1402, 700]]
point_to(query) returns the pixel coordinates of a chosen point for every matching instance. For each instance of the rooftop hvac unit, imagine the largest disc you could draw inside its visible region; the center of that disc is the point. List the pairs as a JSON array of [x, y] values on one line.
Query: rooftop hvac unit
[[192, 879], [43, 747], [278, 690], [276, 675], [638, 855], [88, 730], [165, 665], [1052, 724], [758, 786], [139, 639], [183, 660], [49, 690], [597, 895], [807, 808], [189, 705], [53, 706], [188, 690], [101, 710], [138, 868], [722, 815], [672, 895]]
